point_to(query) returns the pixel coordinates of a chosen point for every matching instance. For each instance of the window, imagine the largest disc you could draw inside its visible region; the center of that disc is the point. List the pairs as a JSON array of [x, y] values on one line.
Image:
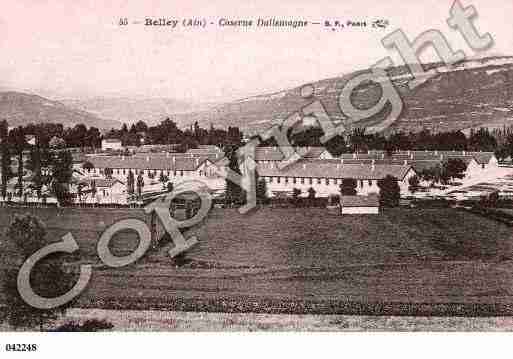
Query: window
[[278, 179], [482, 166], [370, 183], [327, 181], [270, 180], [311, 180], [124, 171], [318, 181], [181, 173], [294, 180], [361, 183], [302, 180], [286, 180]]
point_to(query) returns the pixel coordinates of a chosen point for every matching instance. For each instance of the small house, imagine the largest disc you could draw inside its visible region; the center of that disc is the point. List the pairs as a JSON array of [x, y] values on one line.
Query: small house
[[111, 144], [359, 204]]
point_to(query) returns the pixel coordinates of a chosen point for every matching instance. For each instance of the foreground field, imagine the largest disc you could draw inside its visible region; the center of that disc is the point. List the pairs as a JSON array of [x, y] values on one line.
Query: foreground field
[[130, 320], [408, 262]]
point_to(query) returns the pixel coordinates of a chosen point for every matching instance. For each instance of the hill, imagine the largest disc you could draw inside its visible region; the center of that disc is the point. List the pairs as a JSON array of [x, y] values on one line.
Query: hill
[[471, 94], [20, 108], [130, 110]]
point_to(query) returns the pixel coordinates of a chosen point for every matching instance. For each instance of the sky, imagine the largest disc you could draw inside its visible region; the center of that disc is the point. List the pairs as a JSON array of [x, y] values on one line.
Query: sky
[[76, 49]]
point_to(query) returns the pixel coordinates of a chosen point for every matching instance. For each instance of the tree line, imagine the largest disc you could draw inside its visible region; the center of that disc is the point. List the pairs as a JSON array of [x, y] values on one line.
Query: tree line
[[167, 132], [358, 140], [49, 166]]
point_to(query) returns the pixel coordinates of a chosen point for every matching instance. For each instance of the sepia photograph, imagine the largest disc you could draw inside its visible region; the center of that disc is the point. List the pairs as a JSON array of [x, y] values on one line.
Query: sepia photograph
[[293, 166]]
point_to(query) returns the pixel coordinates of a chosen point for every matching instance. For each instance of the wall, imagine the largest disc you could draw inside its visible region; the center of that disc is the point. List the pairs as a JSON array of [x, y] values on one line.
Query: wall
[[360, 210]]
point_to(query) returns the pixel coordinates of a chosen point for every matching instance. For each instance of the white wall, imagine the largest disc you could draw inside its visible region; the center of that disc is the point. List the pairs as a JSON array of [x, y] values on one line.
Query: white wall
[[360, 210]]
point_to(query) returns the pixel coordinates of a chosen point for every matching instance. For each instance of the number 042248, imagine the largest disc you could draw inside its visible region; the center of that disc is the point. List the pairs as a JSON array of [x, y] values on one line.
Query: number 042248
[[21, 347]]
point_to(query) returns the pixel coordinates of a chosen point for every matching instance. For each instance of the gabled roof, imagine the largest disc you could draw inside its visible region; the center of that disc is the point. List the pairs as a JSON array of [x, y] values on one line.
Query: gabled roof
[[333, 169], [372, 200], [147, 162], [211, 148], [483, 157], [276, 154], [112, 140], [103, 182], [480, 157], [211, 156]]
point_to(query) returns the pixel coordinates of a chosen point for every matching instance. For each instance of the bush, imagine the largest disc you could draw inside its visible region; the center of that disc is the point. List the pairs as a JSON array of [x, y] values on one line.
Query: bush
[[90, 325]]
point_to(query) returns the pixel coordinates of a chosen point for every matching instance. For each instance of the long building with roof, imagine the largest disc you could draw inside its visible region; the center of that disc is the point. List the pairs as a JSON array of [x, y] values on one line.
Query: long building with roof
[[325, 176], [317, 169]]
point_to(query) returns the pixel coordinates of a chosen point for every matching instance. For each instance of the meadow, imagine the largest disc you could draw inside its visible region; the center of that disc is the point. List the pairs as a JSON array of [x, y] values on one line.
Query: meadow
[[404, 261]]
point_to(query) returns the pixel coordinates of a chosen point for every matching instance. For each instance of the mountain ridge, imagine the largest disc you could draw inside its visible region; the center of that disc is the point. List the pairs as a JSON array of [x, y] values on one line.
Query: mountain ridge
[[21, 108]]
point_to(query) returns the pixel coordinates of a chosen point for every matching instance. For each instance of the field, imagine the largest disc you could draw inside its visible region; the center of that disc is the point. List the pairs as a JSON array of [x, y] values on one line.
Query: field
[[404, 261]]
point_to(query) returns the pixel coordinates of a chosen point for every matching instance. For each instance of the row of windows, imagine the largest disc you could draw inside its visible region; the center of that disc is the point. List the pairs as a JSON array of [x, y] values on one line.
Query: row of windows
[[147, 172], [304, 180]]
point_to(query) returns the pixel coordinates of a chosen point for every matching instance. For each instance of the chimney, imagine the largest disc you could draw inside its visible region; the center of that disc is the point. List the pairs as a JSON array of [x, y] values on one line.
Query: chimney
[[436, 152], [441, 157], [405, 162], [338, 166], [174, 159], [197, 162], [304, 166], [341, 161], [167, 154], [373, 166], [147, 158], [463, 153]]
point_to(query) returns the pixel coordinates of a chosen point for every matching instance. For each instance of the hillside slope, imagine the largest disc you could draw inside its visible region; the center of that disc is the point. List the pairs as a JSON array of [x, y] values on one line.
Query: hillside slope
[[20, 108], [471, 94]]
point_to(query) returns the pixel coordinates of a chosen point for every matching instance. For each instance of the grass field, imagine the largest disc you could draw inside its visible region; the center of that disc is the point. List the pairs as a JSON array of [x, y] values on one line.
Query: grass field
[[86, 226], [404, 261]]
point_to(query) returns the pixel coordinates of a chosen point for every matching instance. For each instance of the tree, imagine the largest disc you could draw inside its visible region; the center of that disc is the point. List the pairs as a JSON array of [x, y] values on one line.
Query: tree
[[80, 186], [296, 192], [62, 172], [311, 196], [261, 191], [348, 187], [233, 190], [17, 140], [130, 182], [27, 234], [140, 184], [93, 188], [389, 192], [163, 179], [454, 168], [5, 167], [414, 184], [34, 165]]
